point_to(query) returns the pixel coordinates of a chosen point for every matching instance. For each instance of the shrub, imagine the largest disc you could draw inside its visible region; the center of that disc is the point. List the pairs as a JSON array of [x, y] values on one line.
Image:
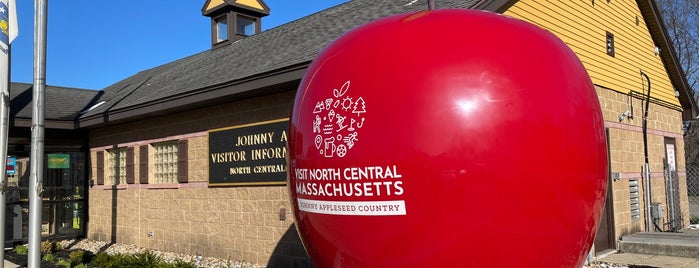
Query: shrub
[[104, 260], [144, 259], [694, 220], [80, 256], [81, 265], [21, 249], [64, 263], [48, 257], [47, 247]]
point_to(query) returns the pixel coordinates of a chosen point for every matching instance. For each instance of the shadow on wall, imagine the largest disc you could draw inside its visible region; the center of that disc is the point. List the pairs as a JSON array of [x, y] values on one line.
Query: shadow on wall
[[289, 252]]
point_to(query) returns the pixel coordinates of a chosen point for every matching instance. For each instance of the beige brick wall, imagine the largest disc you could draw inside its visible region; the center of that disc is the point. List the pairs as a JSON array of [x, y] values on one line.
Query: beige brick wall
[[241, 223], [627, 156], [237, 223]]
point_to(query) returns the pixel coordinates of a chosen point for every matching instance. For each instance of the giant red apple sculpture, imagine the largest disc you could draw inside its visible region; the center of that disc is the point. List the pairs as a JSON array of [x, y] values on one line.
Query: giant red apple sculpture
[[447, 138]]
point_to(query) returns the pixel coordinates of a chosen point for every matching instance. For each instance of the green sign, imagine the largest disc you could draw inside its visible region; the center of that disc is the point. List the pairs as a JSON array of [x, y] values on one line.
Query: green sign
[[59, 161]]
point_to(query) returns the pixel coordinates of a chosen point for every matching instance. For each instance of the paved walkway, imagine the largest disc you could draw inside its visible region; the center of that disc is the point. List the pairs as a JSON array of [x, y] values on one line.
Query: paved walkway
[[650, 260], [10, 265]]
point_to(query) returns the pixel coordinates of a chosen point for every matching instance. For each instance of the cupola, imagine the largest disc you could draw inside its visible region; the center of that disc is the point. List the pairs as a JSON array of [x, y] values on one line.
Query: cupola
[[232, 20]]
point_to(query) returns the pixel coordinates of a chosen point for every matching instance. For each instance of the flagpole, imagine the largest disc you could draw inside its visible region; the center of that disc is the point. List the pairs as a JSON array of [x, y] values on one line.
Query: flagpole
[[8, 25], [4, 127], [37, 145]]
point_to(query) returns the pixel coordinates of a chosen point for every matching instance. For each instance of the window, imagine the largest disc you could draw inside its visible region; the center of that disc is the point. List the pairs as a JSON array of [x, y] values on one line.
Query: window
[[245, 25], [610, 44], [165, 162], [117, 166], [221, 28]]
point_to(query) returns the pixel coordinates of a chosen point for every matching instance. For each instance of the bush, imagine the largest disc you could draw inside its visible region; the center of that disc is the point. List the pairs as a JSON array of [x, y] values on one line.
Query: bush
[[21, 249], [47, 247], [144, 259], [48, 257], [104, 260], [694, 220], [80, 256], [64, 263]]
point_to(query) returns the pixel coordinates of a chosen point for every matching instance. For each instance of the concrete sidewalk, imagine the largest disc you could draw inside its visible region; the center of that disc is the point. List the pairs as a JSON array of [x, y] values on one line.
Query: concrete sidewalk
[[647, 260], [10, 265]]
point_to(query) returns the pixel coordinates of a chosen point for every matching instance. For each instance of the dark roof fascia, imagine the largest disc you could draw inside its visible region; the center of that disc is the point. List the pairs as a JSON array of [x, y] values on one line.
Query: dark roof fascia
[[50, 124], [656, 26], [498, 6], [228, 91]]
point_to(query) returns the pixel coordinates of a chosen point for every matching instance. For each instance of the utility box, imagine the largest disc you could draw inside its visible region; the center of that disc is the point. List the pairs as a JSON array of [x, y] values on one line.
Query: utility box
[[656, 210]]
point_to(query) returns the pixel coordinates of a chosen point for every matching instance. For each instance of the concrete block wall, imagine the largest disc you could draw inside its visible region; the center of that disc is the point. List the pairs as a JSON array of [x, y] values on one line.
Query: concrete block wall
[[627, 156], [252, 224]]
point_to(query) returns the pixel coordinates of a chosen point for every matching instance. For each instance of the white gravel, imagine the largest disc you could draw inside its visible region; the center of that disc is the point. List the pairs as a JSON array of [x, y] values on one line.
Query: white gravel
[[97, 246], [604, 265]]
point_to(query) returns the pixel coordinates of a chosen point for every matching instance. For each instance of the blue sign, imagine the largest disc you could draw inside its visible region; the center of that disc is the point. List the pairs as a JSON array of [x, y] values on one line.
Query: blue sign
[[11, 165]]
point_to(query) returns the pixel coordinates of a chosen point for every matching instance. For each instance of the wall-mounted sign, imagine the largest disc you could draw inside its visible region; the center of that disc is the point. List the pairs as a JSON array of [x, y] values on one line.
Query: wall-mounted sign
[[59, 160], [11, 166], [253, 154]]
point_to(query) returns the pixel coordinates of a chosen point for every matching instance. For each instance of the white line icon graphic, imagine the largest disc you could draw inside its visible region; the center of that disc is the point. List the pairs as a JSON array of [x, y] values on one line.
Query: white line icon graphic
[[337, 121]]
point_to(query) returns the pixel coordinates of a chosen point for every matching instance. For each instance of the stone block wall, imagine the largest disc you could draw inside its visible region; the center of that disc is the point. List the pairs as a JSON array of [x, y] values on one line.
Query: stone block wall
[[252, 224], [627, 157]]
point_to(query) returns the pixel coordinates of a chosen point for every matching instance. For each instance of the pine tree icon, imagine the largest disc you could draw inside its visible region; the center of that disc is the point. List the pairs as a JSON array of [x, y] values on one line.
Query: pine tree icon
[[359, 106]]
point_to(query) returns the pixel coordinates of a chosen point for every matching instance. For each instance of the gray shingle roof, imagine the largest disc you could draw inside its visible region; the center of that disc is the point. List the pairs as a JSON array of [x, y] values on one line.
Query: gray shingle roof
[[60, 103], [294, 43]]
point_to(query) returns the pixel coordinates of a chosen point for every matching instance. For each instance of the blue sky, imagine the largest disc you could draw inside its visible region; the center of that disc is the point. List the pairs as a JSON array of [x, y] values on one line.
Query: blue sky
[[93, 44]]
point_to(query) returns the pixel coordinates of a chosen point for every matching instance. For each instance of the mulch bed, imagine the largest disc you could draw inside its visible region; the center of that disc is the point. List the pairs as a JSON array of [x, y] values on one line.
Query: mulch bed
[[21, 260]]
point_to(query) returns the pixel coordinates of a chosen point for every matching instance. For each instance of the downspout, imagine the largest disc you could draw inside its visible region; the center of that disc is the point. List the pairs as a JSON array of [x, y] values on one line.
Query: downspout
[[649, 219]]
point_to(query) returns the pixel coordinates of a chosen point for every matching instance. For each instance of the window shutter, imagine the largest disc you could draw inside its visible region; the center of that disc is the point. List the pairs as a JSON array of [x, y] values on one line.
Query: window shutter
[[129, 165], [182, 174], [100, 168], [143, 162]]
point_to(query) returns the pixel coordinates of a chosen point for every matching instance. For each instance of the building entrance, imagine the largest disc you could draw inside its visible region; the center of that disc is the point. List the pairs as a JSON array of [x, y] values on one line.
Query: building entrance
[[63, 197]]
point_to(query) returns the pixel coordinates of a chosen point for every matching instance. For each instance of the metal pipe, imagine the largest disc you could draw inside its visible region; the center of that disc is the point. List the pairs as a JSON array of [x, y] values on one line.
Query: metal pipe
[[37, 145], [671, 208], [4, 131], [430, 5], [646, 165], [4, 126]]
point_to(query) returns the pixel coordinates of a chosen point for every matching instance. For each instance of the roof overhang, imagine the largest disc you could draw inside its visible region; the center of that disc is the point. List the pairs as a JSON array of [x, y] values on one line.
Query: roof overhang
[[54, 124], [656, 26], [280, 80]]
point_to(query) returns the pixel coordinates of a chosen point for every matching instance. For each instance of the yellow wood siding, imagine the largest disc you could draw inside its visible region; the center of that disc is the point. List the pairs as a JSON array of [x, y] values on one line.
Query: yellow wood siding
[[583, 26], [213, 4], [251, 3]]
